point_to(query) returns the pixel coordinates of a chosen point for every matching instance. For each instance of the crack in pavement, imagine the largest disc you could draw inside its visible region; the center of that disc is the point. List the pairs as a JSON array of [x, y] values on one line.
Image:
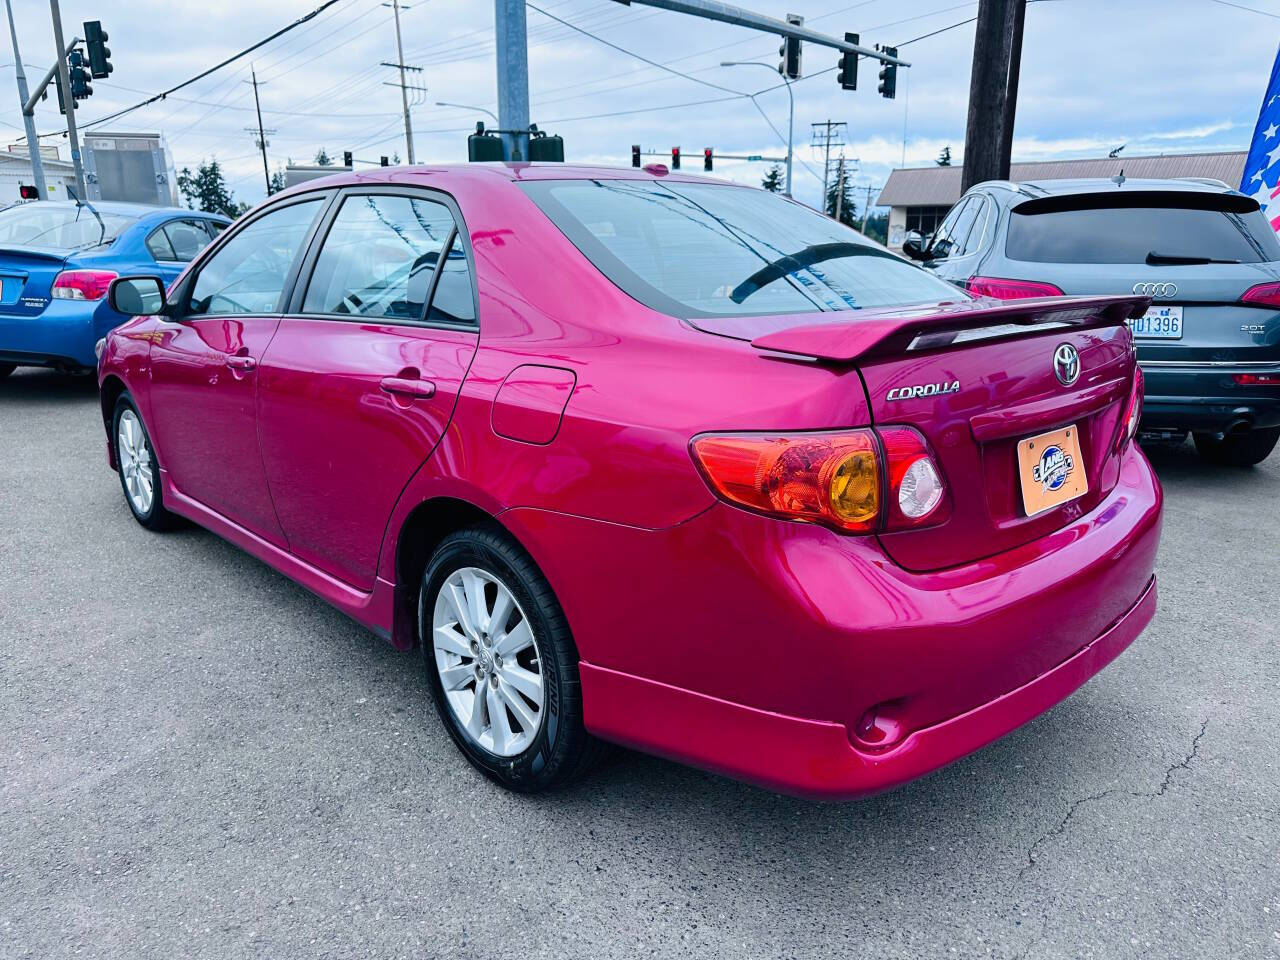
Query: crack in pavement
[[1062, 824]]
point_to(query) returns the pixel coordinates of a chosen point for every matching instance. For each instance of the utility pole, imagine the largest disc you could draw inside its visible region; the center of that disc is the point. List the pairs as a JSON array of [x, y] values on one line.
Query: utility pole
[[512, 55], [68, 101], [990, 109], [28, 117], [1011, 88], [825, 135], [866, 210], [262, 135], [839, 189], [404, 86]]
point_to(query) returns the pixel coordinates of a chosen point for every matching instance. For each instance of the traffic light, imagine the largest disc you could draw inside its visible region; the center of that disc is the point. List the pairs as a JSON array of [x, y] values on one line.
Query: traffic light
[[706, 159], [675, 158], [789, 51], [849, 65], [635, 154], [27, 192], [384, 162], [95, 41], [888, 74], [81, 88], [347, 159]]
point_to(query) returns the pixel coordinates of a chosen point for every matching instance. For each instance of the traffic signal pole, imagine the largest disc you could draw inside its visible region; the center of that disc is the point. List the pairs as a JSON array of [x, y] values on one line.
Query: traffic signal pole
[[512, 55], [68, 101], [28, 116]]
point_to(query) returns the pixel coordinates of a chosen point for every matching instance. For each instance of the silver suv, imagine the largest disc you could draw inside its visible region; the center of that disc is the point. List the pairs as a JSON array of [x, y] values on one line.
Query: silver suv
[[1206, 255]]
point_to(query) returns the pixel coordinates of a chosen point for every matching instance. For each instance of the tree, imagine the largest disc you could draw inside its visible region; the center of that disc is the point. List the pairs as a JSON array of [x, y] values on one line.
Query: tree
[[877, 227], [207, 190], [323, 159], [773, 179], [944, 158], [841, 189], [277, 181]]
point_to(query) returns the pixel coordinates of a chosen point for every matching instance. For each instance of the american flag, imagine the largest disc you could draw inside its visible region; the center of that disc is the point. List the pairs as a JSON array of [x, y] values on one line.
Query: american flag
[[1261, 179]]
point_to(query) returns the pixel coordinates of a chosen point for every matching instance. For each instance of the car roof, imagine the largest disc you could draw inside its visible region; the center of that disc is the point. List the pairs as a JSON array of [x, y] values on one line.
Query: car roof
[[1027, 189], [138, 210]]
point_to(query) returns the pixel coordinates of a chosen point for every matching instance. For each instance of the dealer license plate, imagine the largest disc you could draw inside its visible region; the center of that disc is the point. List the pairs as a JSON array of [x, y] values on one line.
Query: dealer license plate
[[1051, 470]]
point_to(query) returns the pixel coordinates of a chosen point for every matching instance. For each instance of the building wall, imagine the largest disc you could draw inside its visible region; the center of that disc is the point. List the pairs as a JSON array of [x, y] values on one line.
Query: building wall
[[13, 175]]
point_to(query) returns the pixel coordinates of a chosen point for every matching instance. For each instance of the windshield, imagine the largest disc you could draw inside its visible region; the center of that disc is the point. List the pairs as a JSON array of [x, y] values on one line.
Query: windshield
[[700, 249], [58, 226], [1152, 229]]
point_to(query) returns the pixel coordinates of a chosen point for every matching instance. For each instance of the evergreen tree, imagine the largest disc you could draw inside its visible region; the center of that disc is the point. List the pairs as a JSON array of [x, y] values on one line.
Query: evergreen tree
[[323, 159], [773, 179], [944, 158], [841, 188], [277, 181], [207, 190]]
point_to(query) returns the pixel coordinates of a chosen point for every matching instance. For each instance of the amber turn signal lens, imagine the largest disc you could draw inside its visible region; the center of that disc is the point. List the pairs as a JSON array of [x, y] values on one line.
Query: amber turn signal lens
[[831, 478]]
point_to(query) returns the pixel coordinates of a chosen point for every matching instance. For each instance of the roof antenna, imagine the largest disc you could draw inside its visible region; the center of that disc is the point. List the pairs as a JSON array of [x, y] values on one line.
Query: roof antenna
[[1118, 179]]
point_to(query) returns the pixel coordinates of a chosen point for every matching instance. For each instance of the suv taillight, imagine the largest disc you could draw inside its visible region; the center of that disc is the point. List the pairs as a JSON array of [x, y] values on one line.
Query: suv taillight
[[82, 284], [855, 481], [1263, 295], [1010, 289]]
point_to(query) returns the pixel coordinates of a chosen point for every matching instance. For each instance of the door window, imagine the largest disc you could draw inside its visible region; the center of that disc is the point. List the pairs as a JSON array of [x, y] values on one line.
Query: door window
[[248, 274], [178, 240], [453, 301], [953, 229], [379, 257], [972, 241]]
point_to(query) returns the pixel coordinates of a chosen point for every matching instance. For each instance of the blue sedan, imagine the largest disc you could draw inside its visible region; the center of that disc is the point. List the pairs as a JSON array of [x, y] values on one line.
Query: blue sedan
[[57, 259]]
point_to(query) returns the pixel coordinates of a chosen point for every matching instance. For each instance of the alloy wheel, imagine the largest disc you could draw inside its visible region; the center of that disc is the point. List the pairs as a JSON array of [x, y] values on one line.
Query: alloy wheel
[[135, 462], [488, 661]]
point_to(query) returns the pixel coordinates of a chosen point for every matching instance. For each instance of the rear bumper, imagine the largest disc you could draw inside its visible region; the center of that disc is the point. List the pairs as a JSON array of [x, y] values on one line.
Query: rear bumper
[[817, 759], [1207, 399], [63, 335], [809, 662]]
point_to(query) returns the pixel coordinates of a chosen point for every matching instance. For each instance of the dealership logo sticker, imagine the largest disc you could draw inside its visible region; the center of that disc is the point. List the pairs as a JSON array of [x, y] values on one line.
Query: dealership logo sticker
[[923, 390], [1053, 469]]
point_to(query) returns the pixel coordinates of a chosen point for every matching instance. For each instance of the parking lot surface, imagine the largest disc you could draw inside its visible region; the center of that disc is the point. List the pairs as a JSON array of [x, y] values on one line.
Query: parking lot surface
[[201, 759]]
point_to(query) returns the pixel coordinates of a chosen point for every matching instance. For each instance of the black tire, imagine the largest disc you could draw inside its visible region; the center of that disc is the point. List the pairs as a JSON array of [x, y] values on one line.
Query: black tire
[[1238, 449], [562, 750], [6, 369], [155, 518]]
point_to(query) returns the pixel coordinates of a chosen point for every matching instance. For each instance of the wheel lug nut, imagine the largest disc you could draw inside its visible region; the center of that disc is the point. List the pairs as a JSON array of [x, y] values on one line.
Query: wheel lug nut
[[475, 647]]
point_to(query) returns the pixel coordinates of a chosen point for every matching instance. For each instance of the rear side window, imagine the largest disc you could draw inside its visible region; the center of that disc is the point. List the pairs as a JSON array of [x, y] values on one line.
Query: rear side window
[[695, 249], [178, 240], [379, 257], [1155, 229]]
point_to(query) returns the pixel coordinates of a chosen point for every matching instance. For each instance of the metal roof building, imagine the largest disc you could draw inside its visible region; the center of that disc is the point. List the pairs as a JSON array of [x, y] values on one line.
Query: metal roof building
[[920, 197]]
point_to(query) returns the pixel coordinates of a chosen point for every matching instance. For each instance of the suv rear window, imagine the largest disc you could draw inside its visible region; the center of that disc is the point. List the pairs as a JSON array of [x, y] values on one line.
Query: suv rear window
[[1151, 228], [698, 249]]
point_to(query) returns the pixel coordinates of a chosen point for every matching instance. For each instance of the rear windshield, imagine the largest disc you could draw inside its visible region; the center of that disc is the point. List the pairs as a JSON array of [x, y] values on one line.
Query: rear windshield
[[1159, 230], [60, 227], [697, 249]]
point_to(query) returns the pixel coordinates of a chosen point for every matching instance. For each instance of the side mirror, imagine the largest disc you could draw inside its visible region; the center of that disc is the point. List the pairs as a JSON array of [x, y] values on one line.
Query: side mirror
[[913, 245], [137, 296]]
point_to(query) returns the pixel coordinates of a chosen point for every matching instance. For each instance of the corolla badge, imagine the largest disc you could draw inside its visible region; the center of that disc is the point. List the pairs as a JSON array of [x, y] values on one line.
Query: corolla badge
[[1053, 469], [923, 390], [1066, 364]]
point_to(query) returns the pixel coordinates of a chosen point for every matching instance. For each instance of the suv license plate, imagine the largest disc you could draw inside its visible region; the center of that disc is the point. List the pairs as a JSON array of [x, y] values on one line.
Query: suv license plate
[[1158, 323], [1051, 470]]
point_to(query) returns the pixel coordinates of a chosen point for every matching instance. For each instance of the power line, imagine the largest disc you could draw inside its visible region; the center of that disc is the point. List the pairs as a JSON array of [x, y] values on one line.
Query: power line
[[1240, 6]]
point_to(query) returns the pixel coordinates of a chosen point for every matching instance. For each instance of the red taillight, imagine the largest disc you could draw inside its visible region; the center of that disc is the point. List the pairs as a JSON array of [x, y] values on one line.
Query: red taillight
[[1257, 379], [856, 481], [1132, 410], [82, 284], [1263, 295], [1010, 289]]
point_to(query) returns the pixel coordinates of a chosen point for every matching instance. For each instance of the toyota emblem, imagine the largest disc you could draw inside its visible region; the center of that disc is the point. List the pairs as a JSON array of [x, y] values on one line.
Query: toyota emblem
[[1066, 364], [1162, 290]]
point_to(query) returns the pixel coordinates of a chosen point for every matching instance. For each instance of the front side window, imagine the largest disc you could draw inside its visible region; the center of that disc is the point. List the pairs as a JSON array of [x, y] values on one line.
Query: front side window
[[696, 249], [379, 257], [248, 274]]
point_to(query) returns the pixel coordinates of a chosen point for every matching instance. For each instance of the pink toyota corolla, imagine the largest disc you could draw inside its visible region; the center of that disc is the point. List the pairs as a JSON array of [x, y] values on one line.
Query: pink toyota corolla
[[640, 457]]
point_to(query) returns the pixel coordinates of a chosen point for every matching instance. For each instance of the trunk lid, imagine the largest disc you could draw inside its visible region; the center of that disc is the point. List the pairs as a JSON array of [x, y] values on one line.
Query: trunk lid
[[26, 278], [975, 378]]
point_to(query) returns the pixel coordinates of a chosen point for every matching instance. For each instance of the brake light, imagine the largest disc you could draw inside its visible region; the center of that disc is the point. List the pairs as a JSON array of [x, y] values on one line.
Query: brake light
[[1010, 289], [82, 284], [1257, 379], [856, 481], [1263, 295], [1132, 410]]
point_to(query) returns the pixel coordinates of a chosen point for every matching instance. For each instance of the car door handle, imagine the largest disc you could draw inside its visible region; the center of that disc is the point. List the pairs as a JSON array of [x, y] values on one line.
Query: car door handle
[[404, 387], [241, 362]]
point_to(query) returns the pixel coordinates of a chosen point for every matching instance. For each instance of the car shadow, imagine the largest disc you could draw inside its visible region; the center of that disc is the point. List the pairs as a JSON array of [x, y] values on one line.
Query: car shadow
[[36, 384], [1180, 464]]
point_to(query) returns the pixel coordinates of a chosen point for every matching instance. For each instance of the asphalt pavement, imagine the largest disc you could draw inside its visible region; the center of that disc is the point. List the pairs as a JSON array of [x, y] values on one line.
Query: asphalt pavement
[[198, 758]]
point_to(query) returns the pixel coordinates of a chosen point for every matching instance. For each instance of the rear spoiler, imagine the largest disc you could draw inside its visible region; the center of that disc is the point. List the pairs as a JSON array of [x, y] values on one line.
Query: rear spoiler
[[896, 331], [35, 253]]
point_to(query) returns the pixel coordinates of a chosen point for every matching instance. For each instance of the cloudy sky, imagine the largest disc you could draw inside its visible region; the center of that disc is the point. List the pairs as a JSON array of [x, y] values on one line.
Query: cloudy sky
[[1162, 76]]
